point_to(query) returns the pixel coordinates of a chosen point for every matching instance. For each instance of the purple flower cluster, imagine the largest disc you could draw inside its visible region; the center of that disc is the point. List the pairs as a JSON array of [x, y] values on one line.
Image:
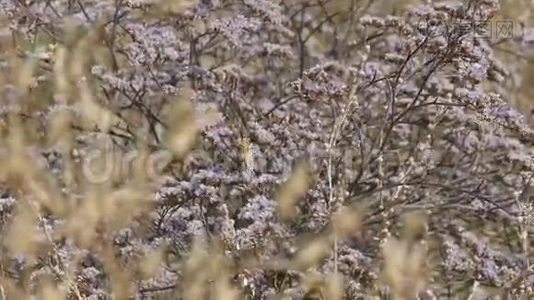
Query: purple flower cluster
[[393, 114]]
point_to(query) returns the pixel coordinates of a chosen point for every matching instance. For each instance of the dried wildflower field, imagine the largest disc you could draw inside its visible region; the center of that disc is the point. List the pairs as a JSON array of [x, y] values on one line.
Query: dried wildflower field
[[266, 149]]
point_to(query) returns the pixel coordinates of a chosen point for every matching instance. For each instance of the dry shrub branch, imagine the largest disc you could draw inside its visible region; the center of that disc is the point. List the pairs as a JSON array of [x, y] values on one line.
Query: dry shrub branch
[[262, 149]]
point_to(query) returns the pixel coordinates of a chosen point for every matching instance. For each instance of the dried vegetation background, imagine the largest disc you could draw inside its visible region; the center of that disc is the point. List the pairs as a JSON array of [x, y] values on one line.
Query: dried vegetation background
[[265, 149]]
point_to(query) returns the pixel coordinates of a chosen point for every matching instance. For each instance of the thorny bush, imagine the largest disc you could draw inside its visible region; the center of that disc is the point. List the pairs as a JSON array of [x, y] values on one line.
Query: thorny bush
[[317, 150]]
